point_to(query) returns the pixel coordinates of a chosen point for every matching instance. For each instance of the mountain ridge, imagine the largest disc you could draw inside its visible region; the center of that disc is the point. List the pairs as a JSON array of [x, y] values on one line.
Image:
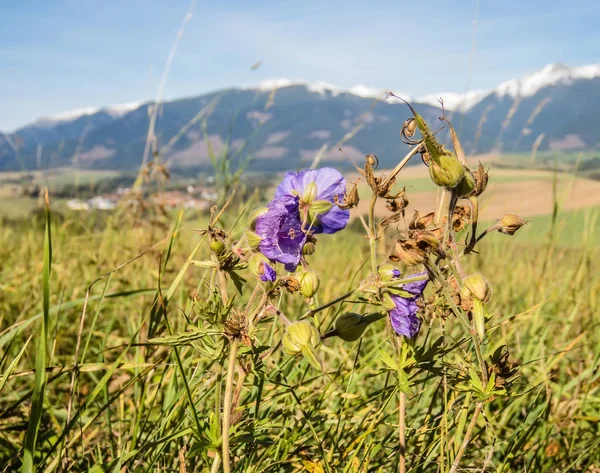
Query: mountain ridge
[[284, 123]]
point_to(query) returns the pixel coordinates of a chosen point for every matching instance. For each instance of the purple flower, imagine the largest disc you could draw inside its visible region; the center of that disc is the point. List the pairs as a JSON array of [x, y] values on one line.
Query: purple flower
[[404, 316], [327, 182], [396, 273], [280, 229], [268, 273], [416, 288]]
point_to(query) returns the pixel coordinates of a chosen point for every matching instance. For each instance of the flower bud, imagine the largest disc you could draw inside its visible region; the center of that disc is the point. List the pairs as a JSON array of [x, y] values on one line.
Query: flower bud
[[309, 283], [387, 272], [255, 214], [217, 247], [308, 248], [510, 223], [259, 266], [299, 335], [467, 185], [310, 193], [448, 172], [349, 327], [477, 286]]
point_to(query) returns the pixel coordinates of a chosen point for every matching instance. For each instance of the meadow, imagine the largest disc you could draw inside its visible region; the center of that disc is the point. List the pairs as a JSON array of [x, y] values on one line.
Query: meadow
[[117, 333]]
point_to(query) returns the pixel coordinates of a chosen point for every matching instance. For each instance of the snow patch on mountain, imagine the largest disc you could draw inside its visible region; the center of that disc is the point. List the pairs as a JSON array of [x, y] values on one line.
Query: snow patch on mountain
[[552, 74], [114, 111]]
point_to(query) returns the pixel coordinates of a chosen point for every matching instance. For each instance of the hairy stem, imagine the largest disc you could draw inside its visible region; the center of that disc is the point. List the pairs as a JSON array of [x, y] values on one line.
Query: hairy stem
[[227, 402]]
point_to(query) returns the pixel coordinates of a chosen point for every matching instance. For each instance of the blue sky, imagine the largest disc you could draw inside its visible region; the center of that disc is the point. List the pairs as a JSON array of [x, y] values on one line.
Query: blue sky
[[60, 55]]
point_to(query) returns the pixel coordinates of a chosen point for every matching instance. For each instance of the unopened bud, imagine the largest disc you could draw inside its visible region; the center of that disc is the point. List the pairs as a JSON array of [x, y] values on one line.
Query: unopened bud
[[300, 335], [308, 248], [259, 265], [350, 326], [477, 286], [467, 185], [448, 172], [255, 214], [510, 223], [309, 283], [217, 247], [387, 272]]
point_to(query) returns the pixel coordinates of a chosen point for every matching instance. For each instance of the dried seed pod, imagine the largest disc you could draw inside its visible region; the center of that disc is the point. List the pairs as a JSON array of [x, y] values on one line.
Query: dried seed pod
[[421, 223], [510, 223], [409, 127], [350, 200], [481, 180]]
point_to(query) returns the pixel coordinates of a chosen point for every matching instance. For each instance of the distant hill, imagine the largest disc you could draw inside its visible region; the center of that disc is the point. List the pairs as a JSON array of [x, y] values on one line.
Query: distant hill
[[284, 124]]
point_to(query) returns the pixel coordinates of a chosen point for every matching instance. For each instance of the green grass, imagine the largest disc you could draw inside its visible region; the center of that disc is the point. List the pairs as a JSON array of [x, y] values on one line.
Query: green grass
[[135, 405]]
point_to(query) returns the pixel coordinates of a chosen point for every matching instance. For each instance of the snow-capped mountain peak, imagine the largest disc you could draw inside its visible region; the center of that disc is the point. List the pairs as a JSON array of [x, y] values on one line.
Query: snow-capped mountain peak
[[114, 111], [552, 74], [322, 88]]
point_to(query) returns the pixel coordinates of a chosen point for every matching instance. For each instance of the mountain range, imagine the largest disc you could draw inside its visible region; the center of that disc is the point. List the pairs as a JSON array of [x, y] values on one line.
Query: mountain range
[[284, 124]]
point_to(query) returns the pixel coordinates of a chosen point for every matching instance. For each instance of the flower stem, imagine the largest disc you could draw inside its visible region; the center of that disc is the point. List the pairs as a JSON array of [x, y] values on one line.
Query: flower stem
[[402, 432], [372, 235], [227, 403], [467, 439]]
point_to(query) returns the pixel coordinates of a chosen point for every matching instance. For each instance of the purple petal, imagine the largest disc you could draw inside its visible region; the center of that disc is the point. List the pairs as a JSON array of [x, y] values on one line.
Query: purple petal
[[404, 317], [396, 273], [281, 231], [416, 288], [332, 221], [329, 183]]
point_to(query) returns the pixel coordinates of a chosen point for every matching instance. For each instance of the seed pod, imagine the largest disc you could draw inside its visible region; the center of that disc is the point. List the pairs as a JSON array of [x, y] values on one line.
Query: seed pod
[[372, 160], [421, 223], [217, 247], [409, 253], [510, 223], [481, 180], [309, 283], [448, 172], [409, 127], [308, 248], [300, 335]]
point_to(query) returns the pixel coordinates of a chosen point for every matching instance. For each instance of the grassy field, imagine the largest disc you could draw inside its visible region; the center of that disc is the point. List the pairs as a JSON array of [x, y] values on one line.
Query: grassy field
[[124, 395]]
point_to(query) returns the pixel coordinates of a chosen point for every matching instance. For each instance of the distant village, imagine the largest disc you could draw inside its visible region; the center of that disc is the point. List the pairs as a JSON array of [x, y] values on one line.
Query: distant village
[[193, 197]]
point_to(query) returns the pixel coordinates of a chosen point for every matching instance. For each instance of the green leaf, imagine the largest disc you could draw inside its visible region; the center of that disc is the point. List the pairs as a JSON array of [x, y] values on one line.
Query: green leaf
[[388, 360], [39, 389]]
